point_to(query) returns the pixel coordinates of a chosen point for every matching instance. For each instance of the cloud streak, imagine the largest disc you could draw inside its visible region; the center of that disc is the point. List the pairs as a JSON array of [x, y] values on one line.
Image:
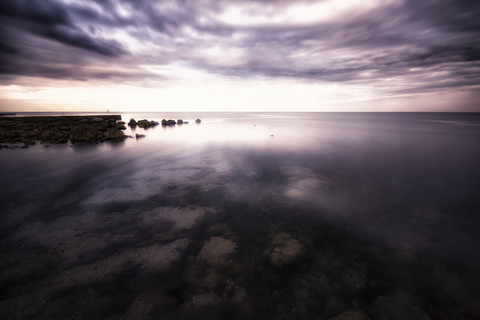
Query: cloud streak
[[421, 46]]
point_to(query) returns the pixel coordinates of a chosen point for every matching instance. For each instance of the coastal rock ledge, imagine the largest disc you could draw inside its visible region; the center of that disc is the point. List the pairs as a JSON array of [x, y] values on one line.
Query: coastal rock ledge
[[61, 129]]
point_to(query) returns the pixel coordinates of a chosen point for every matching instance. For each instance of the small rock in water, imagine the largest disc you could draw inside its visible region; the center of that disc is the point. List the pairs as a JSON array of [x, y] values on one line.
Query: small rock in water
[[139, 135], [198, 121], [286, 251], [179, 121], [216, 251], [132, 123]]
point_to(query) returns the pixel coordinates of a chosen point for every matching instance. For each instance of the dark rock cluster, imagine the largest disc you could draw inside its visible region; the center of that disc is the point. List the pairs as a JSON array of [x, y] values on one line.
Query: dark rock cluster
[[166, 122], [61, 129], [170, 122], [142, 123]]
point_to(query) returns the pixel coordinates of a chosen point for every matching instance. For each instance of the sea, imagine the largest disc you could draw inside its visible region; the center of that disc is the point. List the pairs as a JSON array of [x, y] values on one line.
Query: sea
[[247, 216]]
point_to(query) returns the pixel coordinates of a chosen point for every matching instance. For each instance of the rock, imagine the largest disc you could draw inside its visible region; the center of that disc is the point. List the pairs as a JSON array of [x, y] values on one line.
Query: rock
[[333, 306], [146, 124], [217, 251], [286, 251], [164, 122], [59, 129], [198, 121], [83, 133], [121, 127], [234, 292], [139, 135], [132, 123], [112, 124], [355, 279], [185, 122], [212, 279], [143, 123], [168, 122], [114, 134], [205, 299], [179, 121], [396, 306], [351, 314], [121, 122]]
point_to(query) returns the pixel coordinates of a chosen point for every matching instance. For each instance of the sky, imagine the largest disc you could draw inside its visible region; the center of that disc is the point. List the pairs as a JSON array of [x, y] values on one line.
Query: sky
[[239, 55]]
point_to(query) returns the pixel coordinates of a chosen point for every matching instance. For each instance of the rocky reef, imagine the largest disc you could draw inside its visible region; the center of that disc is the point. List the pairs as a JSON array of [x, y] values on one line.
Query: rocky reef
[[61, 129]]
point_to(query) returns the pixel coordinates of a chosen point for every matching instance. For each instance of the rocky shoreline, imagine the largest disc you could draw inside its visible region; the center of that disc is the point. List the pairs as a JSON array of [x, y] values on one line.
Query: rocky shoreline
[[61, 129], [73, 129]]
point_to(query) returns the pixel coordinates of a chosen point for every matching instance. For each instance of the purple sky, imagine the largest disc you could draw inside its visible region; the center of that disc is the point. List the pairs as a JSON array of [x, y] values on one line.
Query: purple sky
[[140, 55]]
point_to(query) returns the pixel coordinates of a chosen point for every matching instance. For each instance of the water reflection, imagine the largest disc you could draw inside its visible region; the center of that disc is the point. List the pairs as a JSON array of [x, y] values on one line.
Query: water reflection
[[348, 215]]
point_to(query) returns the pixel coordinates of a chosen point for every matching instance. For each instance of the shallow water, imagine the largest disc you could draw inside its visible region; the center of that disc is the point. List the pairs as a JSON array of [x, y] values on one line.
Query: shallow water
[[384, 209]]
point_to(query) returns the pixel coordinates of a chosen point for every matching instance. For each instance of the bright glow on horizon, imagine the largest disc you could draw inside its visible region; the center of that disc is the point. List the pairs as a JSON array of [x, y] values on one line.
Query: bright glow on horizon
[[254, 95], [217, 94]]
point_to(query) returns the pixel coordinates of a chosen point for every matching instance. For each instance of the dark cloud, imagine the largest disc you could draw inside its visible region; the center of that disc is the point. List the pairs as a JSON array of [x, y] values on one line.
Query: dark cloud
[[426, 40], [50, 20]]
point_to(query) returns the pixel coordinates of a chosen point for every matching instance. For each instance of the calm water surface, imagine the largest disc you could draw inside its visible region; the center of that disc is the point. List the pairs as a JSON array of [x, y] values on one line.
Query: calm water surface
[[248, 215]]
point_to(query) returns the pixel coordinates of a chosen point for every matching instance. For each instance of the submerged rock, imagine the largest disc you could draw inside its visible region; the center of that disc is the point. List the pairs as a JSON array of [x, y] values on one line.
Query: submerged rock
[[396, 306], [139, 135], [351, 314], [217, 251], [286, 251], [203, 300]]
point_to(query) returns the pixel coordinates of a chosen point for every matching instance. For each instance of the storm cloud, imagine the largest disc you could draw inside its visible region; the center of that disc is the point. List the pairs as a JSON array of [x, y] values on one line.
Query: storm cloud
[[427, 46]]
